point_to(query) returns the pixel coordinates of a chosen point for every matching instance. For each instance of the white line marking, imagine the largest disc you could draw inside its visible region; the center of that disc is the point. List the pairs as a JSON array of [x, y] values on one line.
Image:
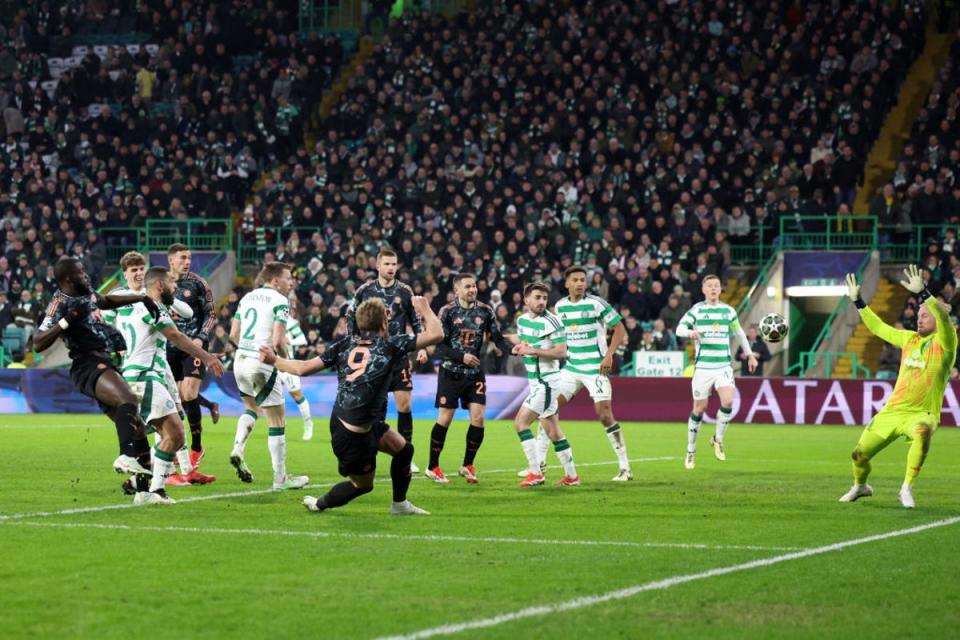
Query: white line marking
[[395, 536], [257, 492], [620, 594]]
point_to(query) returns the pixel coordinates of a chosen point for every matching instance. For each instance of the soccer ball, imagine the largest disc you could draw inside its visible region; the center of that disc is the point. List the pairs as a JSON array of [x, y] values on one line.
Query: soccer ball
[[773, 328]]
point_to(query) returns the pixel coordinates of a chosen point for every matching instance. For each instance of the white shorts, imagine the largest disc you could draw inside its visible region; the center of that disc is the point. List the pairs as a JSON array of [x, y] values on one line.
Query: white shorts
[[290, 381], [258, 380], [706, 380], [155, 401], [568, 384], [542, 398]]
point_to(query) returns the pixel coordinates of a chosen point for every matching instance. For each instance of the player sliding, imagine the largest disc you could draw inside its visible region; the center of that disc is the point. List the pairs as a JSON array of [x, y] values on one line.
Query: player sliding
[[261, 321], [913, 409], [543, 344], [586, 319], [710, 324], [461, 381], [144, 366], [365, 364]]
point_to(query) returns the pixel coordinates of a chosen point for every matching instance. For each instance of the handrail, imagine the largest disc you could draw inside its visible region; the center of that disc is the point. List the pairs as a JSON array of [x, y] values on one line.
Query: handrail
[[4, 358], [760, 280], [827, 329]]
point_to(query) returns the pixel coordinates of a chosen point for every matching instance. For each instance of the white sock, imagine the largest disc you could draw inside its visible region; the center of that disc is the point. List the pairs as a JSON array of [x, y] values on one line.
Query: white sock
[[183, 459], [615, 436], [543, 445], [161, 470], [723, 421], [693, 428], [277, 443], [244, 428], [304, 407], [529, 444], [565, 455]]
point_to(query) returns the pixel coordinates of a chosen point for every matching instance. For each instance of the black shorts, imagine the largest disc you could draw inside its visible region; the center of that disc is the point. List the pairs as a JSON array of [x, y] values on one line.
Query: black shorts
[[356, 452], [183, 365], [402, 378], [87, 369], [453, 387]]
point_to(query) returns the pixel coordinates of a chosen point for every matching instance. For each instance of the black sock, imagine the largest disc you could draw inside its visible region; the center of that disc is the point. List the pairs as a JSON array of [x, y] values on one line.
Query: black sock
[[405, 425], [437, 437], [142, 482], [474, 440], [192, 409], [206, 404], [340, 494], [400, 473], [127, 420]]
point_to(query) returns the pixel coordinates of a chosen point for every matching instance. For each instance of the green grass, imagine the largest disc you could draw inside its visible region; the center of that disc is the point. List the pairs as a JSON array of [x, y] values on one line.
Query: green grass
[[261, 566]]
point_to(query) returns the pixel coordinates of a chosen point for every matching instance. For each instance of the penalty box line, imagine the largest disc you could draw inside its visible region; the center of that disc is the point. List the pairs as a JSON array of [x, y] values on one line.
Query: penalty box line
[[391, 536], [243, 494], [657, 585]]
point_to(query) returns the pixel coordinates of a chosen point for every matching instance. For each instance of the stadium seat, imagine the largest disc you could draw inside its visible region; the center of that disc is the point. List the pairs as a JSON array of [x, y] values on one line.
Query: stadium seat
[[133, 48], [101, 50], [14, 339], [80, 50], [886, 375], [152, 48]]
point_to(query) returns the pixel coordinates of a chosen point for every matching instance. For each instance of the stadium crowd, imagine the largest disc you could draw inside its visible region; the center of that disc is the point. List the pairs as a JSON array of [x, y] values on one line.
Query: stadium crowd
[[645, 141]]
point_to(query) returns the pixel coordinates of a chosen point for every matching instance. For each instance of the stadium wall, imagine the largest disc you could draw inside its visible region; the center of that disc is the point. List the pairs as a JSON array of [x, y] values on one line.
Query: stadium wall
[[760, 400]]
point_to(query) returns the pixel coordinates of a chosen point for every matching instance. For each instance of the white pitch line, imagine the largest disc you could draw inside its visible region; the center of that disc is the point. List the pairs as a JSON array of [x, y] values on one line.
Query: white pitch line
[[621, 594], [243, 494], [396, 536], [130, 505]]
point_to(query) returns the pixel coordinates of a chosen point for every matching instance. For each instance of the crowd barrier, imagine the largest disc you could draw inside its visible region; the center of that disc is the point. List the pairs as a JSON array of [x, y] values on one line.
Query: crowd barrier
[[760, 400]]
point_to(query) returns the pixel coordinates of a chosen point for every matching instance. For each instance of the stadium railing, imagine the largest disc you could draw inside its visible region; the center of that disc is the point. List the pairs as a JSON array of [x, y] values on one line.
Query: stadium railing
[[808, 360], [830, 233], [808, 357], [917, 239], [202, 234]]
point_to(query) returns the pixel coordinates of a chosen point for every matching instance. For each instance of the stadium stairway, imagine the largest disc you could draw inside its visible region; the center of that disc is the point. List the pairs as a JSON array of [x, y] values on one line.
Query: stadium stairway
[[882, 160], [887, 303]]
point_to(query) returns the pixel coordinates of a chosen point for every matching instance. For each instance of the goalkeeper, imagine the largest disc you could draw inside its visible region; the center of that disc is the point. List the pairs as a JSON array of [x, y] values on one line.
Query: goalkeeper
[[913, 410]]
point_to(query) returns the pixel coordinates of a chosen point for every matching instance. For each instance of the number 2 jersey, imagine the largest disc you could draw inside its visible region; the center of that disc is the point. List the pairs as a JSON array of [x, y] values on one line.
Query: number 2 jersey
[[257, 312], [365, 364]]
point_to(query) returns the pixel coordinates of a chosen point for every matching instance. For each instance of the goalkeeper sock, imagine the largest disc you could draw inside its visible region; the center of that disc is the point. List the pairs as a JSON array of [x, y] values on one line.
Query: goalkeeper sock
[[162, 468], [565, 455], [615, 436], [438, 436], [723, 421], [244, 428], [917, 452], [277, 444], [543, 444], [529, 450], [693, 428]]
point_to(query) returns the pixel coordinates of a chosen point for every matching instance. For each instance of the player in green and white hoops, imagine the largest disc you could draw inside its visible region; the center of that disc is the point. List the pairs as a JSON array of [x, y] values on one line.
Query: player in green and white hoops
[[261, 321], [586, 319], [295, 338], [542, 344], [144, 366], [712, 324]]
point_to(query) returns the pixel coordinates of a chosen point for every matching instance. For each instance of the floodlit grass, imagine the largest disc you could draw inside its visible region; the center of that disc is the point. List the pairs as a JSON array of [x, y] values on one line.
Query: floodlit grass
[[259, 565]]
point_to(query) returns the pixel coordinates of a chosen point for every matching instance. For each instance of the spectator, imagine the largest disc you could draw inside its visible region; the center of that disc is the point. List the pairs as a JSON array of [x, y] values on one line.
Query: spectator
[[758, 347]]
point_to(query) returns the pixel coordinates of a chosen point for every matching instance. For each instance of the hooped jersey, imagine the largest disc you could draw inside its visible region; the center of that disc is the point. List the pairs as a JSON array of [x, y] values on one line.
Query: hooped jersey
[[145, 358], [540, 332], [586, 322], [257, 312], [716, 324]]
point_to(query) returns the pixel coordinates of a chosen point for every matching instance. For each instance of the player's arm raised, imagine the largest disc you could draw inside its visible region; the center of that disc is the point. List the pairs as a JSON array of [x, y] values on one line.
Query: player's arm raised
[[946, 333], [432, 330], [106, 303], [185, 344], [52, 326], [879, 328]]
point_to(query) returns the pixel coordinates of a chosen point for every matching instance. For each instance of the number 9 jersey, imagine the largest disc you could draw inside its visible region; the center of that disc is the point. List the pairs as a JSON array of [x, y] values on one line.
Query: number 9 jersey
[[365, 364]]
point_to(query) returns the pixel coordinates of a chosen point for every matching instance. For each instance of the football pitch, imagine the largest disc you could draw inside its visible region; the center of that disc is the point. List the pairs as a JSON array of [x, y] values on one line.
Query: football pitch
[[754, 547]]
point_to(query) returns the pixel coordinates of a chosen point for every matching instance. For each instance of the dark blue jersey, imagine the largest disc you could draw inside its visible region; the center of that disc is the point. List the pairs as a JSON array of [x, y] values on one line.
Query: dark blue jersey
[[365, 364], [398, 298], [464, 331], [87, 332], [195, 291]]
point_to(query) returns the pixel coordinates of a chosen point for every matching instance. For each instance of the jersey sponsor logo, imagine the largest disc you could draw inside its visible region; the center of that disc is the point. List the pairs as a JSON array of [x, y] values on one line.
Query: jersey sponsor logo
[[915, 360]]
